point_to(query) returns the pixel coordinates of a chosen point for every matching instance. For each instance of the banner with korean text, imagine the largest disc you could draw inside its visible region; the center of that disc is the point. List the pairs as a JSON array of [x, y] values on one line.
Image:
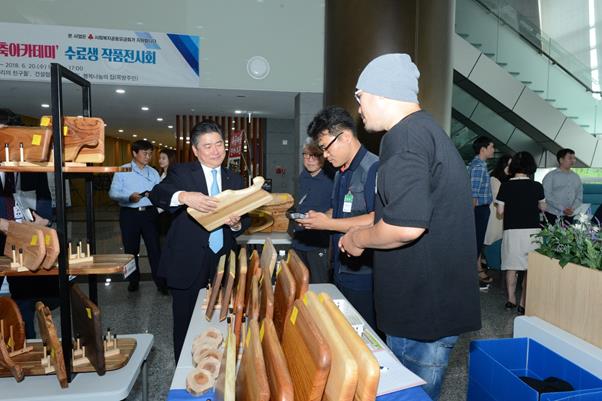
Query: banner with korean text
[[104, 56], [235, 150]]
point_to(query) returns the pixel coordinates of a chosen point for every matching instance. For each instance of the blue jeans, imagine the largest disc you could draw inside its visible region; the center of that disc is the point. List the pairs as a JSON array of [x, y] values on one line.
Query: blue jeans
[[427, 359]]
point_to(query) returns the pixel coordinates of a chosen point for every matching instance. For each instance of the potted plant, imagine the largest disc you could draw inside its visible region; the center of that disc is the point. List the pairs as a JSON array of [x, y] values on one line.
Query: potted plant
[[564, 285]]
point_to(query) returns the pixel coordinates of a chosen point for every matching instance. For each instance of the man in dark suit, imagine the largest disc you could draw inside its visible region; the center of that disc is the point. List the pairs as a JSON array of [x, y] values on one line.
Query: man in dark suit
[[189, 259]]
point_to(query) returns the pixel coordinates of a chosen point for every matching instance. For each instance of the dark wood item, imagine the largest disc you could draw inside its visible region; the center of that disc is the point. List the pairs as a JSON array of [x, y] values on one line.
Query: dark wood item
[[253, 305], [252, 381], [36, 143], [279, 378], [284, 296], [215, 287], [10, 315], [253, 269], [7, 362], [300, 273], [239, 298], [84, 138], [51, 339], [87, 325], [227, 289]]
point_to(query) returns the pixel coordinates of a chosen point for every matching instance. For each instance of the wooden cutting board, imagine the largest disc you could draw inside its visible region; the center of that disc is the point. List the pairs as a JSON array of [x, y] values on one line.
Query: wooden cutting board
[[266, 301], [51, 242], [307, 354], [239, 297], [233, 203], [342, 379], [227, 289], [300, 273], [368, 366], [29, 238], [51, 339], [215, 287], [83, 140], [268, 257], [252, 270], [279, 378], [36, 143], [252, 380], [11, 316], [254, 302], [87, 325], [284, 296], [225, 384]]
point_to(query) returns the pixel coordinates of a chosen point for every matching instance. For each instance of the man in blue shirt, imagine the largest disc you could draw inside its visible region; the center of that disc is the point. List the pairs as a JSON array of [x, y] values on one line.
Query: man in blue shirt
[[137, 216], [314, 192], [482, 197], [352, 203]]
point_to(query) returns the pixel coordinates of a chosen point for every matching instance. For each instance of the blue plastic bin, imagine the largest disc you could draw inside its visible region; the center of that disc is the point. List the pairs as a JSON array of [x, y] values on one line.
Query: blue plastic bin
[[495, 367], [589, 396]]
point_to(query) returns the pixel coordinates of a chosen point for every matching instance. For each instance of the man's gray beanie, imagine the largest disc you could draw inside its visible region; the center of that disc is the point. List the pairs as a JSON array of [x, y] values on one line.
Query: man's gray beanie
[[393, 76]]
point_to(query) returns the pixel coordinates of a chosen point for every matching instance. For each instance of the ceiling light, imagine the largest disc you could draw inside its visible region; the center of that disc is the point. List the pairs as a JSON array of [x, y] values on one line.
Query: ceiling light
[[45, 105], [135, 136], [159, 118], [170, 126], [120, 91], [145, 139], [237, 111], [120, 130], [160, 144], [144, 108], [154, 141], [181, 138]]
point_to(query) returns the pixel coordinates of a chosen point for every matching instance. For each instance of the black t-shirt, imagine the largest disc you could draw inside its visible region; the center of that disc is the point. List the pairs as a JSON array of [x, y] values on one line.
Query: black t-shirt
[[521, 197], [427, 289]]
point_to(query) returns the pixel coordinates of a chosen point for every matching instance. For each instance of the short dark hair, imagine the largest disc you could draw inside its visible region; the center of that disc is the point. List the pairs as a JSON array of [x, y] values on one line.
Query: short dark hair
[[141, 145], [563, 152], [202, 128], [522, 162], [498, 171], [479, 143], [332, 119]]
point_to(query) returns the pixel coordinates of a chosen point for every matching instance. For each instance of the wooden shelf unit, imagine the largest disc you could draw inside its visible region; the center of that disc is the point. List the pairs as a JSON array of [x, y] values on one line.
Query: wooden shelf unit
[[103, 264]]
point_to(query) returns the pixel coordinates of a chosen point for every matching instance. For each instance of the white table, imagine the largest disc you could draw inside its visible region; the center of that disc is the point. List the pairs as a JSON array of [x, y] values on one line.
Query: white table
[[576, 350], [259, 238], [113, 385]]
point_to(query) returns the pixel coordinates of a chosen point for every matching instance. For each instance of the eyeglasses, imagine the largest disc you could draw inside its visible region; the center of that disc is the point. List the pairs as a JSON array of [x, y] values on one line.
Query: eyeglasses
[[325, 148], [357, 97], [310, 156]]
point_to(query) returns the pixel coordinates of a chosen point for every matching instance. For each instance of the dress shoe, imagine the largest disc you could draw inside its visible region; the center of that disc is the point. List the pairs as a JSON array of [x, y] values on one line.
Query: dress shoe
[[509, 305], [133, 286], [520, 310]]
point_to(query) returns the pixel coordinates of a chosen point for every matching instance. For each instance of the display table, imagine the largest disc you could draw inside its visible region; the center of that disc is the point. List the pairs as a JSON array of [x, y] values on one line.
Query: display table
[[576, 350], [113, 385], [392, 378], [259, 238]]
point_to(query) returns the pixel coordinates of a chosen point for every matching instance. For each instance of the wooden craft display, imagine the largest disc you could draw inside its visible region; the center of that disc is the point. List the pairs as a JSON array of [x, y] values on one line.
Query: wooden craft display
[[227, 289], [368, 367], [233, 203], [307, 354], [215, 287], [83, 140], [55, 362], [28, 238], [279, 378], [252, 380], [284, 296], [342, 379], [88, 329], [32, 142], [268, 257], [253, 269], [276, 210], [12, 327], [261, 220], [51, 242], [239, 297], [225, 386], [300, 272]]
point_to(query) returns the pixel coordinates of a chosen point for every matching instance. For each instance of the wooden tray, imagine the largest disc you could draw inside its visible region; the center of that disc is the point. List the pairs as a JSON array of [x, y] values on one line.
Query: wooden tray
[[300, 273], [36, 143], [29, 238], [51, 339], [225, 385], [84, 138], [252, 270], [239, 297], [279, 378], [233, 203], [86, 324], [215, 287], [11, 316], [268, 257], [368, 366], [51, 241], [102, 264], [284, 296], [342, 379], [252, 380], [227, 289], [307, 354]]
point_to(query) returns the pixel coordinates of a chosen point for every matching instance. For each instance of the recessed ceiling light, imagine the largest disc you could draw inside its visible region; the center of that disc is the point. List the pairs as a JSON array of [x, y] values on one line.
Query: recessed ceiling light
[[135, 135], [45, 105], [144, 108], [145, 139], [237, 111], [170, 126], [160, 144], [159, 118], [154, 141], [120, 91], [120, 130], [181, 138]]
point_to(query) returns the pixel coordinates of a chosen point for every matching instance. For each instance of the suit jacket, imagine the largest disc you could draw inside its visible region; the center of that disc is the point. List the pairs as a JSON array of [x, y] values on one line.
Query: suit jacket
[[187, 241]]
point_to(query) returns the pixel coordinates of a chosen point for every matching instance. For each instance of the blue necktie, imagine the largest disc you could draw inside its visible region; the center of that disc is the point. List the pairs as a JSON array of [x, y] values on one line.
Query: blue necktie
[[216, 238]]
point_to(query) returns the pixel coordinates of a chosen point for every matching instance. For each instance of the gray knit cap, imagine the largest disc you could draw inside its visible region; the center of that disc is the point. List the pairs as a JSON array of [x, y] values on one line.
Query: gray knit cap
[[393, 76]]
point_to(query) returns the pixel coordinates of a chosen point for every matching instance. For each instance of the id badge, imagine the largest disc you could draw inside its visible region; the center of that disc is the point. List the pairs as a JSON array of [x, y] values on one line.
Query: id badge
[[347, 202], [18, 215]]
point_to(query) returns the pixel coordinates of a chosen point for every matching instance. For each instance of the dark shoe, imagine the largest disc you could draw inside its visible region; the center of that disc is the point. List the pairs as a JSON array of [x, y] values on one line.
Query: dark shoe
[[509, 305], [163, 290], [133, 286], [483, 277], [483, 286], [520, 310]]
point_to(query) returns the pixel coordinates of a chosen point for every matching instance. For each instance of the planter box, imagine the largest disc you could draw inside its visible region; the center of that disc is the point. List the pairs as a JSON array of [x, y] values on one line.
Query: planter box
[[569, 298]]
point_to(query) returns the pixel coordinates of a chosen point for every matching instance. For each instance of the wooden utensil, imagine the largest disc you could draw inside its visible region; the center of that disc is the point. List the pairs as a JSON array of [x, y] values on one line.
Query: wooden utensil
[[36, 143], [227, 289], [225, 386], [215, 287], [279, 378], [342, 379], [29, 238], [284, 296], [51, 242], [307, 354], [51, 339], [368, 366], [239, 298], [252, 381], [233, 202], [300, 273], [11, 321], [87, 324], [84, 138]]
